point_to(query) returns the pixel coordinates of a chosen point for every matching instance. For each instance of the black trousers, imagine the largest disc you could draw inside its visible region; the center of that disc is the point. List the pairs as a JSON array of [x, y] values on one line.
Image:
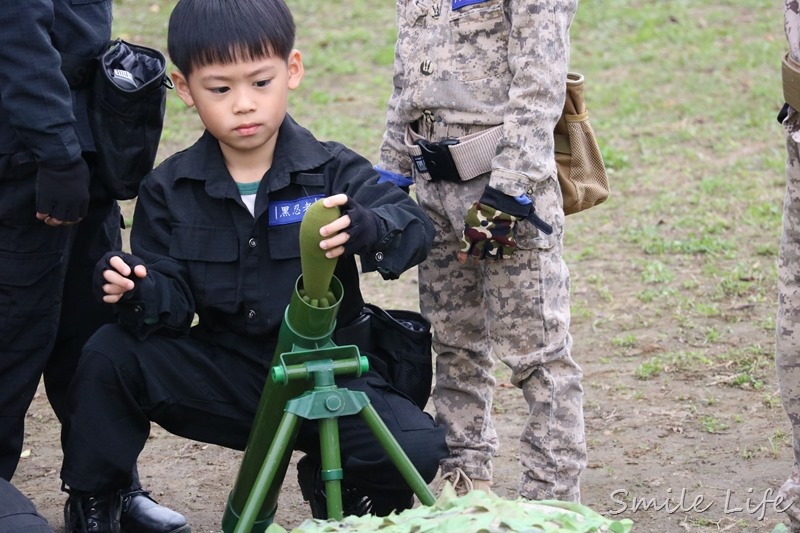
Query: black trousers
[[210, 393], [47, 310], [17, 513]]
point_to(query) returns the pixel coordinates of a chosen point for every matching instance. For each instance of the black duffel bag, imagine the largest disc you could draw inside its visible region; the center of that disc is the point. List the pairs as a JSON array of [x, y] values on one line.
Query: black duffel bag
[[126, 114], [397, 344]]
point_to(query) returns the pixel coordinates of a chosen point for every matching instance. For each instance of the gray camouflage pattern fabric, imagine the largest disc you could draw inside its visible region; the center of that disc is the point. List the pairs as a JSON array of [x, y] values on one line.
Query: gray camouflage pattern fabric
[[457, 72], [487, 63], [787, 352]]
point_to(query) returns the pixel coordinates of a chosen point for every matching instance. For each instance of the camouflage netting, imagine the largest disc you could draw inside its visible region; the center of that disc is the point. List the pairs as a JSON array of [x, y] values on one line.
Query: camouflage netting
[[475, 512]]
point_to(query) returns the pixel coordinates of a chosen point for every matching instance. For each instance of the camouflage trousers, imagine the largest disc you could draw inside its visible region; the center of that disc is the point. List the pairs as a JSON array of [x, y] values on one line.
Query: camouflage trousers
[[787, 352], [516, 310]]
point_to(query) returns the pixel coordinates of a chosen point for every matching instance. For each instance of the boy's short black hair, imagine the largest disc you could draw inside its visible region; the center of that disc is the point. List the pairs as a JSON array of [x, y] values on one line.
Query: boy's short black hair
[[203, 32]]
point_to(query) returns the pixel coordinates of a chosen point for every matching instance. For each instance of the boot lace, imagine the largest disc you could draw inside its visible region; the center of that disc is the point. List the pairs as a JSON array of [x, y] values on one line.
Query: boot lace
[[460, 481]]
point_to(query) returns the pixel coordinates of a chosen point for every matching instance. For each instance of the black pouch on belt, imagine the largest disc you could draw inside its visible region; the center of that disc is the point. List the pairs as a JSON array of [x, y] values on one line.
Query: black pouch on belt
[[126, 114], [398, 346]]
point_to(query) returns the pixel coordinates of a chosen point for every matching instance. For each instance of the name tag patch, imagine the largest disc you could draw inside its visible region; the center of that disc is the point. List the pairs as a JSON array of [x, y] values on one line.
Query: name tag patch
[[458, 4], [290, 211]]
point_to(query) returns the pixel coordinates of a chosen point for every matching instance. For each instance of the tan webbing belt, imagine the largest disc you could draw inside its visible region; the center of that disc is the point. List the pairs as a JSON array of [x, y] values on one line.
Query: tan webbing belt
[[472, 154], [790, 73]]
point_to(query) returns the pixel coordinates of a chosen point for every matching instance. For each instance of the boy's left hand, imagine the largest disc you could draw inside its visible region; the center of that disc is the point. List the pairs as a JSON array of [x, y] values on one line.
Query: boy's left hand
[[361, 225], [490, 225]]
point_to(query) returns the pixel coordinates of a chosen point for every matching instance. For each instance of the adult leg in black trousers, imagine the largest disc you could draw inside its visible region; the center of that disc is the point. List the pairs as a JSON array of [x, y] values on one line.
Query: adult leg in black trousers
[[33, 259], [82, 312]]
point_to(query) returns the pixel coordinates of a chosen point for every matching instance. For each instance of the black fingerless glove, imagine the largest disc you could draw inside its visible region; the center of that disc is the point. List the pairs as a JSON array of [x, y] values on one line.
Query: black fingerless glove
[[63, 192], [364, 227], [105, 264]]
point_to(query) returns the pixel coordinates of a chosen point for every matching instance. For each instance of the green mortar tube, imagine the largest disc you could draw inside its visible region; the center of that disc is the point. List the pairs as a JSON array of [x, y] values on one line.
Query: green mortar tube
[[308, 323]]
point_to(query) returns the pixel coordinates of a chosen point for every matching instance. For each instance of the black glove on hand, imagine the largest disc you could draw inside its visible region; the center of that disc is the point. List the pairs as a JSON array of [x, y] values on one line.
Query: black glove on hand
[[490, 224], [105, 264], [63, 193], [364, 227]]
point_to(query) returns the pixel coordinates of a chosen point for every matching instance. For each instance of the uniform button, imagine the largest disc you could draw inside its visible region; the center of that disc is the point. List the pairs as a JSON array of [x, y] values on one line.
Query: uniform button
[[137, 309], [252, 243], [379, 256], [426, 68], [251, 314]]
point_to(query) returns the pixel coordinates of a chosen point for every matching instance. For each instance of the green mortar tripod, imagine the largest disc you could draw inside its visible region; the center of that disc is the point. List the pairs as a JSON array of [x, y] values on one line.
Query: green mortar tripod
[[306, 354]]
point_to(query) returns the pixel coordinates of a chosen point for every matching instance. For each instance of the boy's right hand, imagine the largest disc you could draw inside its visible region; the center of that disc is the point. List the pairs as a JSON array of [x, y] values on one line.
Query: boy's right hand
[[116, 273], [352, 233]]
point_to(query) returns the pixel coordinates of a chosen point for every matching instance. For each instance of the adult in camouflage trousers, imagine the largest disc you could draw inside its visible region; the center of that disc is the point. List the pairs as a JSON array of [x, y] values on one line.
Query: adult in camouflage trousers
[[491, 74], [787, 353]]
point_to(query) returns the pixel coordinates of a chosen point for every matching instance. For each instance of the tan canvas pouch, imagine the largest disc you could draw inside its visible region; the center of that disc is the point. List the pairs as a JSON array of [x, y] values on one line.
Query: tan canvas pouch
[[581, 171]]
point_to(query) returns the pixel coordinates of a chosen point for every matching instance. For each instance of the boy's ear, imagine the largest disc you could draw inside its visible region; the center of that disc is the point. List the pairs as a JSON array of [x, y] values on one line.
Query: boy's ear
[[295, 64], [182, 88]]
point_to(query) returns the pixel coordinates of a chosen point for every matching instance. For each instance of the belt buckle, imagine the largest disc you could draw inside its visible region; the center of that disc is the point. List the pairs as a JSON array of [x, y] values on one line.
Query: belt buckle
[[438, 161]]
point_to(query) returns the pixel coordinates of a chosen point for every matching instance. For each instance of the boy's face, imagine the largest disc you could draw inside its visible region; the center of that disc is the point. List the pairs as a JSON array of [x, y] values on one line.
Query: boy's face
[[242, 103]]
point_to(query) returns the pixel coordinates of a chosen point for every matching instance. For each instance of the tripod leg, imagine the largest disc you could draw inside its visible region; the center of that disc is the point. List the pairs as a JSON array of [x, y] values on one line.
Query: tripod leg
[[397, 455], [331, 466], [279, 447]]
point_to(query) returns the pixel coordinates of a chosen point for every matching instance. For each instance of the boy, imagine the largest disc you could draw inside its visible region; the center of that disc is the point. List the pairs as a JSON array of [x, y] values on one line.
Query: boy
[[216, 236], [478, 88]]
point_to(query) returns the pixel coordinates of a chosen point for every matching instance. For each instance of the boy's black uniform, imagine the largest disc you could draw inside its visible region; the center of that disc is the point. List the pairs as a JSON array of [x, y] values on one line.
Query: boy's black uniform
[[207, 255]]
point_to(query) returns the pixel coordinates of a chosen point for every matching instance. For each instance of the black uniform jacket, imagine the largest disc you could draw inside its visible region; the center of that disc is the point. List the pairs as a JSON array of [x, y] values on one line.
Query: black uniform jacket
[[39, 115], [206, 254]]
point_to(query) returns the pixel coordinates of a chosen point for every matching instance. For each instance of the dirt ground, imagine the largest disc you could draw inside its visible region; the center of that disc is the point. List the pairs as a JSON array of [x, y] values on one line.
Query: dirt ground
[[651, 457]]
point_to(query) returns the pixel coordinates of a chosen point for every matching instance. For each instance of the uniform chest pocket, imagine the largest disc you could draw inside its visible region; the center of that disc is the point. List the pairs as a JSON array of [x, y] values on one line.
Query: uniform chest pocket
[[479, 35], [415, 10], [212, 257], [284, 241]]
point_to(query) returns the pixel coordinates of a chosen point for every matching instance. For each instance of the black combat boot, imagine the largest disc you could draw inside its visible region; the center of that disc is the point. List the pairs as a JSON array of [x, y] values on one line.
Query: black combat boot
[[141, 514], [355, 502], [92, 513]]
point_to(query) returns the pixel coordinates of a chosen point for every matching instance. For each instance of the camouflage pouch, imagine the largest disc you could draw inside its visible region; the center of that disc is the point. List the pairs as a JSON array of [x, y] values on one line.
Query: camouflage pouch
[[581, 171]]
